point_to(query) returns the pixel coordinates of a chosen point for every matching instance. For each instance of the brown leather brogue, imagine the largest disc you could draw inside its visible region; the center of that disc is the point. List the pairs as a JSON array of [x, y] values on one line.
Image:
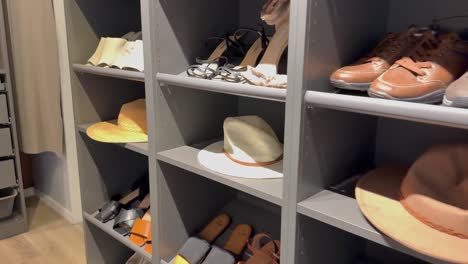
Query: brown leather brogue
[[424, 75], [362, 73]]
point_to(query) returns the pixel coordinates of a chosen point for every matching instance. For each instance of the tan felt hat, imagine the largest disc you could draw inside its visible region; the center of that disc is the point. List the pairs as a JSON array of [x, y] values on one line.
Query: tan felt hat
[[130, 127], [250, 149], [426, 207]]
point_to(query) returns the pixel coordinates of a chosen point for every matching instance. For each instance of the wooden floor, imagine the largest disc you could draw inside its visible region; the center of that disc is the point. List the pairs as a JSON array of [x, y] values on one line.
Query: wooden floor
[[50, 240]]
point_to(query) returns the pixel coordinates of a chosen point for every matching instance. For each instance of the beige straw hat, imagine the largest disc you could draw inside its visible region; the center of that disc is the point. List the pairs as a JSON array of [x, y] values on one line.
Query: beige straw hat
[[424, 208], [250, 149], [130, 127]]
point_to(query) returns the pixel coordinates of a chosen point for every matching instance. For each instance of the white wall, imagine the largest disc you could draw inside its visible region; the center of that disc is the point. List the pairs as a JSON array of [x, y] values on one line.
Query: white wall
[[51, 182]]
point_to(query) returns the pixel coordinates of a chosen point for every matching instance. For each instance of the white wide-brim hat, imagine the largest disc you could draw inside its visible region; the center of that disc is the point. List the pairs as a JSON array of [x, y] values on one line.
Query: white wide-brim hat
[[250, 149]]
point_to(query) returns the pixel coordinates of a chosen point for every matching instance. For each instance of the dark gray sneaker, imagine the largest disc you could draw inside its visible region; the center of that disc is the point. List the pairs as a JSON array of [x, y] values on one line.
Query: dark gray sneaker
[[456, 94]]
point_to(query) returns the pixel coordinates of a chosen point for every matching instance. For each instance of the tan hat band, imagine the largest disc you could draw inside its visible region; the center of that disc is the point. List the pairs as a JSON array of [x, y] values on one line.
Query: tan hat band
[[429, 223], [253, 164]]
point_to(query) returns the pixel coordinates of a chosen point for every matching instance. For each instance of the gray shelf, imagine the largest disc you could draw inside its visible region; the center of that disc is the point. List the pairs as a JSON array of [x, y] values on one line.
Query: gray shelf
[[17, 222], [343, 212], [185, 157], [425, 113], [110, 72], [218, 86], [107, 228], [141, 148], [10, 226]]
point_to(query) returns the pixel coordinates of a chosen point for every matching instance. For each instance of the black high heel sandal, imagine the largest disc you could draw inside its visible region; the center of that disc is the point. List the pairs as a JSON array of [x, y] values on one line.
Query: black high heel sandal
[[112, 208], [229, 47], [232, 72]]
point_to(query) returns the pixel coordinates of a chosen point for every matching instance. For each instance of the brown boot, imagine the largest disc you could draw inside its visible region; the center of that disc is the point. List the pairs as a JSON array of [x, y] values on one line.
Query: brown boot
[[426, 73], [362, 73]]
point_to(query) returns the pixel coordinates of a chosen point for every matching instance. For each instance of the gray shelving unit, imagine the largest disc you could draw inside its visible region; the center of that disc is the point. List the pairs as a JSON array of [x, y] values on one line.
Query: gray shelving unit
[[329, 136], [10, 165], [98, 93]]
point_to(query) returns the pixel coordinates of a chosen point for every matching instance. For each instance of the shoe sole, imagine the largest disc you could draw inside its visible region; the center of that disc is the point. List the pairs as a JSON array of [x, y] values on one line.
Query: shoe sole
[[362, 87], [430, 98], [461, 102]]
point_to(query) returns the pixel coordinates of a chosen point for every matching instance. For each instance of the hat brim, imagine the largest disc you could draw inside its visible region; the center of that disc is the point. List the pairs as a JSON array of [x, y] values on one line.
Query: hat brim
[[110, 132], [378, 193], [213, 158]]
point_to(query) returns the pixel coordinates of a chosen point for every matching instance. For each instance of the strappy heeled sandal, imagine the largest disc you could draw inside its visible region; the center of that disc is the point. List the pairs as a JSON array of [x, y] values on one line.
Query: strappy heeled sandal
[[233, 73], [111, 209], [126, 218], [266, 72], [264, 250], [207, 68]]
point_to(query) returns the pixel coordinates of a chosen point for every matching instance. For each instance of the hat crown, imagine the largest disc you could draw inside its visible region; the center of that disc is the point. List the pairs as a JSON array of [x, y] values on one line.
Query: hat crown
[[435, 189], [251, 139], [132, 116]]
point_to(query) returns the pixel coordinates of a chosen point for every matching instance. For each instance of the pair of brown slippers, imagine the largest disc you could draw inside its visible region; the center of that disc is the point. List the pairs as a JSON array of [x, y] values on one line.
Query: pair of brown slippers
[[199, 250]]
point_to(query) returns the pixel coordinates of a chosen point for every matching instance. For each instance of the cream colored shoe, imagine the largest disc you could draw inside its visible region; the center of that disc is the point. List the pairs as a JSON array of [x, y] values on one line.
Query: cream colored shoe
[[131, 57], [94, 60], [110, 52]]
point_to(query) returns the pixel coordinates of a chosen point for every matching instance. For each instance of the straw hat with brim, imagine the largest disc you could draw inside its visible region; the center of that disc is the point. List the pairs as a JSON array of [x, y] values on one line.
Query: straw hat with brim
[[130, 127], [424, 208], [250, 149]]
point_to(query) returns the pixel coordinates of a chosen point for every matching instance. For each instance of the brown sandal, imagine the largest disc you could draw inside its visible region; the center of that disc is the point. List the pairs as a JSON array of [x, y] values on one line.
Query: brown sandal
[[233, 247], [141, 230], [215, 228], [195, 248], [149, 244], [263, 253]]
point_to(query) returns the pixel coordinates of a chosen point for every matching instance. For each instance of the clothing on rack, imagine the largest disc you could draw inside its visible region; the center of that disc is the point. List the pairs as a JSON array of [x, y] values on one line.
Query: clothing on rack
[[36, 75]]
